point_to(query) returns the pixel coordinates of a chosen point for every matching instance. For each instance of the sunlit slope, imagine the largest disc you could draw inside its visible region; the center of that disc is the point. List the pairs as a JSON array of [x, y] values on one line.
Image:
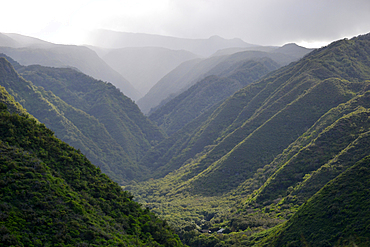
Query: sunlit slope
[[337, 215], [274, 112], [208, 92], [119, 114], [338, 140], [98, 119]]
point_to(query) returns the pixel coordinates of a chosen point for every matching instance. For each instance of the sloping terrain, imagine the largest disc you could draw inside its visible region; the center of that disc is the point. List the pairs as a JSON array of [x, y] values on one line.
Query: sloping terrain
[[209, 92], [193, 71], [88, 114], [281, 162], [337, 215], [51, 195], [30, 51], [275, 143]]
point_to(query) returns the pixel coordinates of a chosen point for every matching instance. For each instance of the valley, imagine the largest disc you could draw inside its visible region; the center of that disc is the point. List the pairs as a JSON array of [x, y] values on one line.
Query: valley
[[241, 145]]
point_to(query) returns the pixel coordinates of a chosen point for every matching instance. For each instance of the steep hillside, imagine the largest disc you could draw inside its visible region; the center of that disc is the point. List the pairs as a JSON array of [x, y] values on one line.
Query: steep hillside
[[336, 141], [144, 66], [11, 105], [52, 195], [95, 117], [274, 143], [337, 215], [33, 51], [191, 72], [208, 92], [120, 115], [173, 82], [284, 109], [25, 41]]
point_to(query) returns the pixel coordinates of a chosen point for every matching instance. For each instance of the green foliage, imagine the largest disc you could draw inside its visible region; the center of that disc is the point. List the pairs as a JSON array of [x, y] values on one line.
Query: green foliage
[[273, 145], [276, 164], [52, 195], [332, 142], [209, 92], [90, 115], [337, 215]]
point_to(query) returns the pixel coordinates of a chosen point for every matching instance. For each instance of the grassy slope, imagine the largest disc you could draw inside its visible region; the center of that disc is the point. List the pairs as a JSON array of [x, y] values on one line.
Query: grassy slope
[[52, 195], [208, 92], [296, 84], [121, 116], [329, 153], [98, 119], [40, 104], [337, 215], [268, 123]]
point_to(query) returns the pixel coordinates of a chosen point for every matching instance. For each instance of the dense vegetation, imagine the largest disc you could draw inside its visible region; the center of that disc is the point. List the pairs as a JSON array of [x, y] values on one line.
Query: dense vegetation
[[284, 161], [86, 113], [209, 92], [337, 215], [252, 162], [51, 195]]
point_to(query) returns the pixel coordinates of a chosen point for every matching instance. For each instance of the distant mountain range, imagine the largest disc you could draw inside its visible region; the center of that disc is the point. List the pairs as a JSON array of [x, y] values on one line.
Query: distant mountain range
[[200, 47], [29, 51], [288, 147], [190, 72], [263, 147], [145, 66], [134, 63]]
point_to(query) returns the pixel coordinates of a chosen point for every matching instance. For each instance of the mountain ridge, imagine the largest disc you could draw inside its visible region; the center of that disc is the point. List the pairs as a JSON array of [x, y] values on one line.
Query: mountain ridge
[[144, 66], [191, 72], [266, 150], [94, 119], [35, 51], [203, 47], [53, 195]]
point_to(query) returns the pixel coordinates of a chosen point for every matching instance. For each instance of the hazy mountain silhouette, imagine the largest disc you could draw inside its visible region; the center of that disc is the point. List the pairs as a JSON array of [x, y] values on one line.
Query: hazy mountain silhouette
[[190, 72], [202, 47], [28, 51], [25, 41], [145, 66], [7, 41]]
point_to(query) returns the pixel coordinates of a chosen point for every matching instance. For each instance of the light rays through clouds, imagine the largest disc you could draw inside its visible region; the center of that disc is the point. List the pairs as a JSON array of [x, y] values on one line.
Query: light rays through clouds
[[264, 22]]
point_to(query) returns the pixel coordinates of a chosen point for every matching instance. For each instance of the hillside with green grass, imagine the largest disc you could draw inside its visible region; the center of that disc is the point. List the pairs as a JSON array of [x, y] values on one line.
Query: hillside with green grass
[[51, 195], [90, 115], [209, 92], [283, 161], [337, 215], [252, 162]]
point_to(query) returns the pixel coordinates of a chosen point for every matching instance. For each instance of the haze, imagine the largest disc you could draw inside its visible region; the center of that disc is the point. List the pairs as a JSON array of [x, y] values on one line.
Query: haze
[[265, 22]]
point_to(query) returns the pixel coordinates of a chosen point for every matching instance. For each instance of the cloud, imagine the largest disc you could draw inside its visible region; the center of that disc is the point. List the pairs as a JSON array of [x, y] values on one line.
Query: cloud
[[273, 22], [267, 22]]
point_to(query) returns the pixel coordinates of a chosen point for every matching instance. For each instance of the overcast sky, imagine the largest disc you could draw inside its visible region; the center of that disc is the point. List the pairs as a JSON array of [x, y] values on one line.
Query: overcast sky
[[265, 22]]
